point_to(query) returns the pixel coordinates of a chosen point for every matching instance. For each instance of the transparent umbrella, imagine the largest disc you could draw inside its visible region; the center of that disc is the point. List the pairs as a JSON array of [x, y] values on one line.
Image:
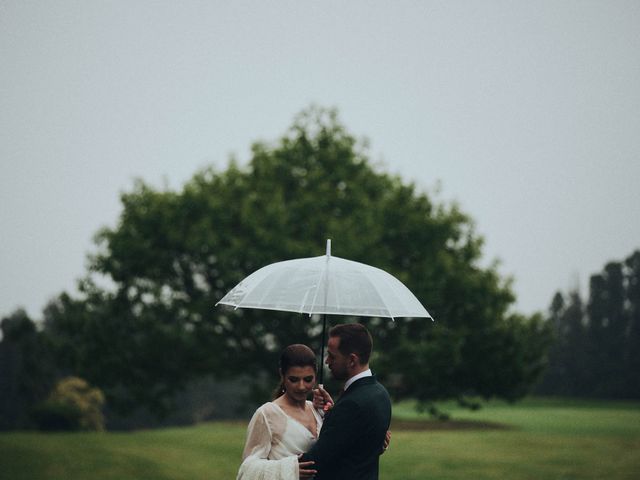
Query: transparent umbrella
[[325, 285]]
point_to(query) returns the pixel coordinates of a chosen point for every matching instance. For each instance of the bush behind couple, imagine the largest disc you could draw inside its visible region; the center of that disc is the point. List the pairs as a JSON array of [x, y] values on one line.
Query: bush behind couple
[[291, 438]]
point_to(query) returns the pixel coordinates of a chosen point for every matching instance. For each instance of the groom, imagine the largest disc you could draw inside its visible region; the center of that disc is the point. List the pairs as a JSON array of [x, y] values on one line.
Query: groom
[[354, 430]]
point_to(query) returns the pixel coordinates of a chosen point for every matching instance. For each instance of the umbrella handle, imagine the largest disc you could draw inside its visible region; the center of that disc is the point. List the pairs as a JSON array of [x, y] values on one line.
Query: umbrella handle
[[324, 329]]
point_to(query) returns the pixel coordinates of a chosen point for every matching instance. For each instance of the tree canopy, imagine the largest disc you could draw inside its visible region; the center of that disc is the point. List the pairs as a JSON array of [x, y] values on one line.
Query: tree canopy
[[173, 254], [597, 348]]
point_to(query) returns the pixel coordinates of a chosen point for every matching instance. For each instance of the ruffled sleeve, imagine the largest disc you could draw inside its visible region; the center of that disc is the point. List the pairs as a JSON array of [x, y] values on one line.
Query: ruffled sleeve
[[264, 429]]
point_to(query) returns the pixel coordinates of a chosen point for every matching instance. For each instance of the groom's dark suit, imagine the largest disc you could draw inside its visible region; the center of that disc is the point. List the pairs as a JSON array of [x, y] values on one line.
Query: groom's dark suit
[[352, 434]]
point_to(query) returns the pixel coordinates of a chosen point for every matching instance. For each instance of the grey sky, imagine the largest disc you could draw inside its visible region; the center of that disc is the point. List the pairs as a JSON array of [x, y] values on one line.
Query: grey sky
[[526, 113]]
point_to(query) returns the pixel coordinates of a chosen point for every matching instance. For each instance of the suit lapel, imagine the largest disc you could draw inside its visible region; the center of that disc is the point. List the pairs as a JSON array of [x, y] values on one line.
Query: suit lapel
[[361, 382], [356, 385]]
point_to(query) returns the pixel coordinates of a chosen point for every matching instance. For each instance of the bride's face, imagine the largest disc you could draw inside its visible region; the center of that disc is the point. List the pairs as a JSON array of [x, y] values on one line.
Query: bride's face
[[298, 382]]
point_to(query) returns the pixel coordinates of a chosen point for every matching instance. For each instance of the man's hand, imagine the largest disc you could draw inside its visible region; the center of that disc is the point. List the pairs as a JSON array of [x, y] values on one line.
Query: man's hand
[[321, 399], [305, 470]]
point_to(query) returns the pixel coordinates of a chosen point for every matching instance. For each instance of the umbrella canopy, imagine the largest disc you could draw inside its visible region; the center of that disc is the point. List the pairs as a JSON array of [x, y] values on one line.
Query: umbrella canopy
[[325, 285]]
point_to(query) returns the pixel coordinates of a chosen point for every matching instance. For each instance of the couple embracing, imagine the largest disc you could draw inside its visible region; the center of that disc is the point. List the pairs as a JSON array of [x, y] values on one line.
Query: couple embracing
[[292, 438]]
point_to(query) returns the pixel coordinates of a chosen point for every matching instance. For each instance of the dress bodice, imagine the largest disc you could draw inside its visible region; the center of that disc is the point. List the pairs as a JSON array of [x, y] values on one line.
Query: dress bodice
[[296, 438], [274, 441]]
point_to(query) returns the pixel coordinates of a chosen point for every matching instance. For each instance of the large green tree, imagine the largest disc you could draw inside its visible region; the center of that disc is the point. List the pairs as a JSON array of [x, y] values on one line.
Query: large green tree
[[174, 254]]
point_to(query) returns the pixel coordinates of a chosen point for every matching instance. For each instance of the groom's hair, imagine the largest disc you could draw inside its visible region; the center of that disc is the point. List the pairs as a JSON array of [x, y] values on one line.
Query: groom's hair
[[354, 338]]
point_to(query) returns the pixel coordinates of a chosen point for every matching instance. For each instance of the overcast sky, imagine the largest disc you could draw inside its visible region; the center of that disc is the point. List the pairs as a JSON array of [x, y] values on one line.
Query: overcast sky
[[527, 113]]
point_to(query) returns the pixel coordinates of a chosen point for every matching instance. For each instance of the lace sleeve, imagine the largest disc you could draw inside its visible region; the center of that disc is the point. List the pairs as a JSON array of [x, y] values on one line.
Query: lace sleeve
[[262, 431], [259, 436]]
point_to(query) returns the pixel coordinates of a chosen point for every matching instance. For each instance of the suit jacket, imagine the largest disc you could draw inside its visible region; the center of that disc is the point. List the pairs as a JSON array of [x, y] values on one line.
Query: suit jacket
[[352, 435]]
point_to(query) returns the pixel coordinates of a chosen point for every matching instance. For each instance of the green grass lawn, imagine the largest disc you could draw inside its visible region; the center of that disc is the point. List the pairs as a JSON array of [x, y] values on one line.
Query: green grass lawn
[[545, 439]]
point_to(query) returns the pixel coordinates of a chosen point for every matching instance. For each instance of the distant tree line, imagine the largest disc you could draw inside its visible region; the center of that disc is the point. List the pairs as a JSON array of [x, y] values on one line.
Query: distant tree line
[[172, 255], [596, 352]]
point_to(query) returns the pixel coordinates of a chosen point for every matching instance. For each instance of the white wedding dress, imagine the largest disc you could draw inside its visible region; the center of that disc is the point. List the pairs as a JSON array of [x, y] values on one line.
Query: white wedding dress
[[274, 441]]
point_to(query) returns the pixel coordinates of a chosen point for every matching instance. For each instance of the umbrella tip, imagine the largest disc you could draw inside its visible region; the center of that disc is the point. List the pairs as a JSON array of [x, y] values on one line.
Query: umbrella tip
[[328, 247]]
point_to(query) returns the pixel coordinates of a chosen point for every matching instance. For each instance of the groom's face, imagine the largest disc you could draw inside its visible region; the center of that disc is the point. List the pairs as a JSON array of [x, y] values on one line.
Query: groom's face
[[336, 361]]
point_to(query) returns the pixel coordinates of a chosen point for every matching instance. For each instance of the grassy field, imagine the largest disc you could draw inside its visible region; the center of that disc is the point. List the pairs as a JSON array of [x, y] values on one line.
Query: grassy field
[[541, 439]]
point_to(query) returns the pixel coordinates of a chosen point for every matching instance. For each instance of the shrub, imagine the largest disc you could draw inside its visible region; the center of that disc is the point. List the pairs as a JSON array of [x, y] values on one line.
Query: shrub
[[72, 405], [52, 415]]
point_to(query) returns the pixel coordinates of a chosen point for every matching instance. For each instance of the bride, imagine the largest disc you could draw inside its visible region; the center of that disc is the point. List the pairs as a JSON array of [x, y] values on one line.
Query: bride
[[286, 427], [281, 430]]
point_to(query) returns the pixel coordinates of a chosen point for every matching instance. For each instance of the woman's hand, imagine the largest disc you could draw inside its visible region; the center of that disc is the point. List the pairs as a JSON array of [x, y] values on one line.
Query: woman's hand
[[387, 440], [305, 470], [321, 399]]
